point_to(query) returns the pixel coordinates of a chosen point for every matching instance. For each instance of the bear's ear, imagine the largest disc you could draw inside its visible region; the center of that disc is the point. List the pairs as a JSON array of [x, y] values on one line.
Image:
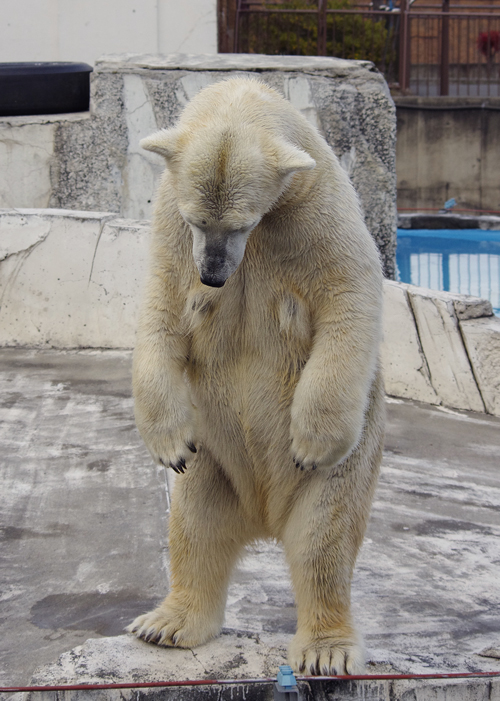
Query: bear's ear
[[164, 142], [293, 160]]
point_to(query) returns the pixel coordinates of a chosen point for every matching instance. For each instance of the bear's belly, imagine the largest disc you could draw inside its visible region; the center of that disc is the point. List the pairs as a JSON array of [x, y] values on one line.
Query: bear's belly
[[245, 360]]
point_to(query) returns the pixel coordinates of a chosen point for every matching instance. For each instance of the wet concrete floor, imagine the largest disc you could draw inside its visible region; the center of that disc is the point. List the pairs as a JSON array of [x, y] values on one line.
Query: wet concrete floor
[[83, 524]]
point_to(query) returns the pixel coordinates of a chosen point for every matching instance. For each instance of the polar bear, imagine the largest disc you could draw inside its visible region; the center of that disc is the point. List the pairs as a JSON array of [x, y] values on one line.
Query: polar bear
[[256, 373]]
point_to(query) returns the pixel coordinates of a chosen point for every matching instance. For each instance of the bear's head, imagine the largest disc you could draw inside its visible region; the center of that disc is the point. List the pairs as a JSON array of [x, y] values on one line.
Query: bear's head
[[225, 180]]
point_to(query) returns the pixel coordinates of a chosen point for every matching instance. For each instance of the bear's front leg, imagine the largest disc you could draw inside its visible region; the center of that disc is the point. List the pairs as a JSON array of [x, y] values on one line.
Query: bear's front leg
[[164, 414], [207, 532], [331, 397]]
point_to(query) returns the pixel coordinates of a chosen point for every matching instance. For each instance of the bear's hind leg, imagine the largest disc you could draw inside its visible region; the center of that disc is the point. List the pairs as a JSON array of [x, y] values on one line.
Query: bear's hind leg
[[207, 533], [321, 560], [322, 537]]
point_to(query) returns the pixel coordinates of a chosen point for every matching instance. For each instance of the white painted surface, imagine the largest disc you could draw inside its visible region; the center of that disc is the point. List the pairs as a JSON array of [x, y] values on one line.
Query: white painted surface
[[26, 157], [444, 350], [298, 91], [74, 282], [405, 367], [74, 279], [482, 340], [83, 30], [143, 169], [190, 85]]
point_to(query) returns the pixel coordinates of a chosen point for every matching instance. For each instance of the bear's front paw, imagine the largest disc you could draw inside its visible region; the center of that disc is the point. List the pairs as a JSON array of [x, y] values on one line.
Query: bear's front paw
[[328, 656], [172, 451], [312, 448], [170, 626], [169, 439], [308, 454], [178, 464]]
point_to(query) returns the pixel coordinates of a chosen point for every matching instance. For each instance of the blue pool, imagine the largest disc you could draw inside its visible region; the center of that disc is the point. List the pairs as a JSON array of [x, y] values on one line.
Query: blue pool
[[456, 260]]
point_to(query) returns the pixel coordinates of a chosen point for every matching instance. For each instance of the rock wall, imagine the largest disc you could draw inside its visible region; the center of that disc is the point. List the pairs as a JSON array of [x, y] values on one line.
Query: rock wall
[[94, 162], [74, 280]]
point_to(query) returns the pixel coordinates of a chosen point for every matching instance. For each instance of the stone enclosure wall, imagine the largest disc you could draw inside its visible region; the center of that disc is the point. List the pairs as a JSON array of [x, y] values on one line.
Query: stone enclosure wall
[[93, 162], [448, 147], [74, 280]]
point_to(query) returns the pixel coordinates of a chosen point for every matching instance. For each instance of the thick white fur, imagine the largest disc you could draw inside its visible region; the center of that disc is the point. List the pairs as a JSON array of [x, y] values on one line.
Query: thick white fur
[[273, 376]]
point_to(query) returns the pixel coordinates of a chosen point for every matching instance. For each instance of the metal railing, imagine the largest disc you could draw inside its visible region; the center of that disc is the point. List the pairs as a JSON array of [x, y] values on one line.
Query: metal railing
[[422, 49], [476, 274]]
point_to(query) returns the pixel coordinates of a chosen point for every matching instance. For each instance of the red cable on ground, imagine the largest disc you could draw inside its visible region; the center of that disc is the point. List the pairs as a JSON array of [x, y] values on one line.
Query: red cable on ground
[[240, 682]]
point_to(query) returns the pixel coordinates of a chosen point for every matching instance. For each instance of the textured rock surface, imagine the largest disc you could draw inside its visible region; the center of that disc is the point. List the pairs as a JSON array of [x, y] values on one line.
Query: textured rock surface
[[232, 656], [97, 164]]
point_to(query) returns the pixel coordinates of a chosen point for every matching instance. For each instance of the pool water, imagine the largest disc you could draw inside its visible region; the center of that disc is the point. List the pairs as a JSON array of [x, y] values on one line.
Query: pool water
[[466, 261]]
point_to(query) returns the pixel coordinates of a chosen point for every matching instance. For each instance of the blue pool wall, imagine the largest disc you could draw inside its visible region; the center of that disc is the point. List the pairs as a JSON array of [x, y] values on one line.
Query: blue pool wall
[[450, 257]]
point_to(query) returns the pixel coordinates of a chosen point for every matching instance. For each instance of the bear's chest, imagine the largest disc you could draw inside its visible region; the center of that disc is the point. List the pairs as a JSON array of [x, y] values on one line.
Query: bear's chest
[[241, 323]]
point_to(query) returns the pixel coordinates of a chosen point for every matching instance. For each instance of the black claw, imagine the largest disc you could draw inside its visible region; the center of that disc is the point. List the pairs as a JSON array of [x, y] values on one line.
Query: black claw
[[174, 467], [191, 447], [161, 460], [314, 467], [182, 462], [302, 468]]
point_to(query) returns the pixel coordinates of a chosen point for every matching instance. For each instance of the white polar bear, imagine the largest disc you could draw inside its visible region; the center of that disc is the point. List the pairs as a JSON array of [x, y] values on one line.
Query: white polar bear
[[256, 367]]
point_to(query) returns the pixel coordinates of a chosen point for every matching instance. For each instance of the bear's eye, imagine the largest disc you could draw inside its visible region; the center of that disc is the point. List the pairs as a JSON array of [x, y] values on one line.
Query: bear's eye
[[203, 222]]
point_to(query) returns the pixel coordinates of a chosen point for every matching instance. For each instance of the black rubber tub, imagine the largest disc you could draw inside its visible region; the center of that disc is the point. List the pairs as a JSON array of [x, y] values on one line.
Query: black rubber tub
[[44, 88]]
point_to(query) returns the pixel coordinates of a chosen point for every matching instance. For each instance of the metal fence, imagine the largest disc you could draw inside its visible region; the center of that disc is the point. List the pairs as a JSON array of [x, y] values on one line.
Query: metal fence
[[475, 274], [421, 49]]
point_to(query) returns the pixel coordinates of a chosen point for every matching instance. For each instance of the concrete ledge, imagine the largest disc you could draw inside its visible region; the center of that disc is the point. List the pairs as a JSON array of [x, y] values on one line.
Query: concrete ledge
[[448, 220], [441, 348], [123, 659], [124, 63], [74, 279], [482, 340], [70, 279]]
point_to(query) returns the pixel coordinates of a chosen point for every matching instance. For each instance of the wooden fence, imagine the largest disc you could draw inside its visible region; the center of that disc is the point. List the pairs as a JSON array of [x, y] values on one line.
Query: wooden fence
[[438, 49]]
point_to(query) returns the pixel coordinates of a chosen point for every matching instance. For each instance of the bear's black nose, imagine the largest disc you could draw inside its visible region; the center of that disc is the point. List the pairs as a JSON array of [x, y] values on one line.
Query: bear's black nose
[[211, 281]]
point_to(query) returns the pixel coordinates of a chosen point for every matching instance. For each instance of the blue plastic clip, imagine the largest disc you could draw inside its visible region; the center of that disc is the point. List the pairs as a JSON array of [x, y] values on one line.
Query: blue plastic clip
[[449, 204], [285, 688]]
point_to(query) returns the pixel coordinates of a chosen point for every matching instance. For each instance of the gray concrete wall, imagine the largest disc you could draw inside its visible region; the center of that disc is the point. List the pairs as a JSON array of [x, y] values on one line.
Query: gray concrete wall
[[74, 280], [448, 148], [94, 162]]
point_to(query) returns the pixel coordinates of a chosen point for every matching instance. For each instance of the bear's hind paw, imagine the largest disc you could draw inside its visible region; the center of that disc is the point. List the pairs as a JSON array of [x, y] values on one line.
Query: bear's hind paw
[[174, 630], [327, 656]]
